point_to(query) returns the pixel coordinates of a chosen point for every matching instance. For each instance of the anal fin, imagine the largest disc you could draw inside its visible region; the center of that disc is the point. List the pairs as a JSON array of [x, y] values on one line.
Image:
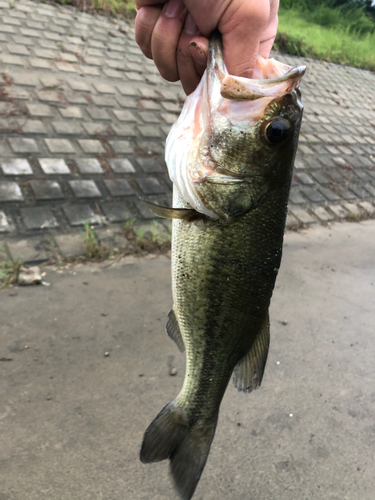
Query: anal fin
[[248, 372], [174, 331]]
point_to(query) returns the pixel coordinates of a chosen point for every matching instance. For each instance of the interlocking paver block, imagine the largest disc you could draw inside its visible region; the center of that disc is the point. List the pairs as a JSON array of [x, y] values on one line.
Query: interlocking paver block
[[71, 245], [23, 145], [98, 114], [34, 127], [78, 215], [85, 189], [312, 194], [116, 212], [122, 147], [59, 146], [91, 146], [39, 110], [302, 215], [38, 218], [10, 191], [365, 205], [124, 115], [127, 89], [150, 131], [89, 166], [67, 128], [54, 166], [149, 165], [5, 226], [339, 211], [46, 190], [121, 166], [322, 214], [16, 166], [71, 112], [352, 208], [103, 100], [329, 194], [79, 85], [150, 185], [97, 128], [103, 88], [29, 250], [125, 130], [119, 187]]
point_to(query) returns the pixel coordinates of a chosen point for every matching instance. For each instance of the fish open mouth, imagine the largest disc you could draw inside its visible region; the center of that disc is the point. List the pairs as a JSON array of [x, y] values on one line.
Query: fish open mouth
[[221, 101]]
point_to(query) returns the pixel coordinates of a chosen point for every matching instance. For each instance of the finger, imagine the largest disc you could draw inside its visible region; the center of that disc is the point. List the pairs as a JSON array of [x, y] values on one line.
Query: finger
[[199, 51], [241, 44], [165, 38], [144, 25], [185, 63]]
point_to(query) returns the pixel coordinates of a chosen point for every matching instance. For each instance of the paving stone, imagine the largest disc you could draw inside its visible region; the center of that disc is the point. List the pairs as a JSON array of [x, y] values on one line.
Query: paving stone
[[39, 110], [10, 59], [128, 102], [38, 218], [370, 189], [149, 117], [54, 166], [144, 210], [46, 190], [45, 54], [112, 238], [117, 212], [79, 85], [89, 70], [71, 112], [67, 128], [127, 89], [124, 115], [71, 245], [302, 215], [97, 128], [365, 205], [322, 214], [170, 118], [66, 67], [30, 250], [360, 191], [78, 215], [119, 187], [150, 185], [91, 146], [295, 197], [352, 209], [23, 145], [171, 107], [103, 88], [16, 166], [122, 147], [49, 95], [121, 166], [5, 227], [329, 194], [98, 114], [89, 166], [125, 130], [85, 189], [63, 146], [18, 49], [149, 165], [36, 62], [105, 101], [150, 131], [339, 211], [150, 106], [321, 177]]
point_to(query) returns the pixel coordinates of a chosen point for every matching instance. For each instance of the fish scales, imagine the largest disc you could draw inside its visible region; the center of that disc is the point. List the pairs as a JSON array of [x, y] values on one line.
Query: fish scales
[[230, 157]]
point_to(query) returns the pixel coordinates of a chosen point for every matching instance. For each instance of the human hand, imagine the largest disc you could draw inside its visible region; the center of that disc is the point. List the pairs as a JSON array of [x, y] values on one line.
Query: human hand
[[175, 35]]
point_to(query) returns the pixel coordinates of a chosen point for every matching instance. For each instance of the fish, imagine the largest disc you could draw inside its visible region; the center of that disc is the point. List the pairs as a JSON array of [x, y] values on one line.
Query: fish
[[230, 157]]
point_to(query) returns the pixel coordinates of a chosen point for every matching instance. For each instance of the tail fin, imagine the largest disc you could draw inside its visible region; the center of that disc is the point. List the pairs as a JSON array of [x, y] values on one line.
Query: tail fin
[[187, 445]]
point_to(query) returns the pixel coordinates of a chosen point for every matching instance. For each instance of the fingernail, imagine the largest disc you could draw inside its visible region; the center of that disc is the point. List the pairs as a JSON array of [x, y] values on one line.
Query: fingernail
[[174, 8], [190, 27]]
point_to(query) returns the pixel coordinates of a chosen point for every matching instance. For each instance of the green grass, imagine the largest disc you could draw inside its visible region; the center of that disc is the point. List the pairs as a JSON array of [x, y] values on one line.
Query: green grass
[[339, 43]]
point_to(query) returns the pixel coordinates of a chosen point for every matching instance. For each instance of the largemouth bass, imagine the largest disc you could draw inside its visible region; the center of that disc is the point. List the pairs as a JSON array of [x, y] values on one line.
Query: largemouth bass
[[230, 156]]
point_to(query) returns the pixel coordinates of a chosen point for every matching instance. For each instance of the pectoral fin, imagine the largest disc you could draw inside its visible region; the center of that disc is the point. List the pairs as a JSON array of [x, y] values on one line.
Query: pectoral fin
[[174, 332], [248, 373], [187, 214]]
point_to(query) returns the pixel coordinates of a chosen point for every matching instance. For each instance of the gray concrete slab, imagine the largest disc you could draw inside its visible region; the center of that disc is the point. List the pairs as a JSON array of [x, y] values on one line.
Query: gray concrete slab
[[72, 418]]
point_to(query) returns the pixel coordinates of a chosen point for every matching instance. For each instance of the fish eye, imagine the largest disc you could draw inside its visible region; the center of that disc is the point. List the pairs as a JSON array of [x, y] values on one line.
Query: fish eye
[[277, 130]]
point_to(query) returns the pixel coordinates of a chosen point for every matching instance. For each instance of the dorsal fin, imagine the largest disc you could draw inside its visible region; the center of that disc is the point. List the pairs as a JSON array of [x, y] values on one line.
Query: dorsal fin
[[174, 331], [248, 372]]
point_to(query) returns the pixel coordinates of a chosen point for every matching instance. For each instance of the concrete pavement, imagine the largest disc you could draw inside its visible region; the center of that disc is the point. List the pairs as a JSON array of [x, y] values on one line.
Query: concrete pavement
[[89, 367]]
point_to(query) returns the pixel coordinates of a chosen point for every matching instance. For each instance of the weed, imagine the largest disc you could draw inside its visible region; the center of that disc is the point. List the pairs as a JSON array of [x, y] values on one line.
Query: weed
[[148, 237], [94, 249], [9, 271]]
